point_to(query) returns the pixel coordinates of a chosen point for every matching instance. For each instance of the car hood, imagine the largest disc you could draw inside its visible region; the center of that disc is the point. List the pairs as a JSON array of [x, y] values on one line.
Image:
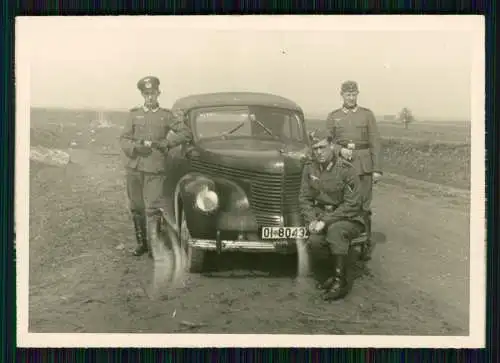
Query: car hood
[[252, 154]]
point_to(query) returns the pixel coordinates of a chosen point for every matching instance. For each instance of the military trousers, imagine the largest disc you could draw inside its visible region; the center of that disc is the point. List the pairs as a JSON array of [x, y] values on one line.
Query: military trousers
[[145, 191], [335, 239]]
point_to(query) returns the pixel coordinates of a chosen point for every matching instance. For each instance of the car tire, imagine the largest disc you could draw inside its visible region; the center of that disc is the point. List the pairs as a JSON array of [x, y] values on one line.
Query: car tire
[[196, 260]]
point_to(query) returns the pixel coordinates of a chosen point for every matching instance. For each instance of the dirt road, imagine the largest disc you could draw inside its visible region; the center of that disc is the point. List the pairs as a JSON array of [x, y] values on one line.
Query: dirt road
[[83, 278]]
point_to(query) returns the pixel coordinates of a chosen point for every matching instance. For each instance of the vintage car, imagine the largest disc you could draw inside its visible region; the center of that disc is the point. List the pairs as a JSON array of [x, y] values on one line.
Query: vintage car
[[237, 184]]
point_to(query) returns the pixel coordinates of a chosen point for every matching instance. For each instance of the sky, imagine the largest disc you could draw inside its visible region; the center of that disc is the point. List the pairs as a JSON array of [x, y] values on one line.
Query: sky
[[424, 63]]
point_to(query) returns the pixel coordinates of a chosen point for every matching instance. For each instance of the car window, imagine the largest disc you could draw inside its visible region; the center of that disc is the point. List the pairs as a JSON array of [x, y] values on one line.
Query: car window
[[291, 127], [260, 122]]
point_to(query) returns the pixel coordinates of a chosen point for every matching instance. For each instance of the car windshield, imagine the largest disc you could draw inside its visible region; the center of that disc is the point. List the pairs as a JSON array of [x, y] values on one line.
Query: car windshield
[[245, 121]]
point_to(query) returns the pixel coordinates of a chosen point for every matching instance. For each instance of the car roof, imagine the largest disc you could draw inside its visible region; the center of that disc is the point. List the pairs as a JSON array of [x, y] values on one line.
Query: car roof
[[234, 99]]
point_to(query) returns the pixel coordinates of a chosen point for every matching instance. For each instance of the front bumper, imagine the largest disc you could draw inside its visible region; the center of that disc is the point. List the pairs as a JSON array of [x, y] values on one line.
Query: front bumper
[[278, 246], [275, 246]]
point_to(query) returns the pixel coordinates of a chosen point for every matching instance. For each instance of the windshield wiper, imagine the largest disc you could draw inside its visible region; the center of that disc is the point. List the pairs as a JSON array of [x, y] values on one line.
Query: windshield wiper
[[264, 127], [239, 126], [234, 129]]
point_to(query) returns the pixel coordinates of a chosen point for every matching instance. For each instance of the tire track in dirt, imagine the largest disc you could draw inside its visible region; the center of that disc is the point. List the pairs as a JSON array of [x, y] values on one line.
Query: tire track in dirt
[[80, 282]]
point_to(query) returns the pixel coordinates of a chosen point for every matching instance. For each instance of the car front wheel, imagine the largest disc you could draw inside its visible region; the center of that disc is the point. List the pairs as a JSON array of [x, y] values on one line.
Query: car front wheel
[[196, 258]]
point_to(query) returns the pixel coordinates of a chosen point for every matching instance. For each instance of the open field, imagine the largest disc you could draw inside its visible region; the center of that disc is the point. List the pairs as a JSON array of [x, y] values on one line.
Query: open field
[[434, 152], [83, 279]]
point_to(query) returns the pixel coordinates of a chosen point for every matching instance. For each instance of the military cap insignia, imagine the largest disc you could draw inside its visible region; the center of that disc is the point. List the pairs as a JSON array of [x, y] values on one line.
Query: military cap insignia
[[148, 83]]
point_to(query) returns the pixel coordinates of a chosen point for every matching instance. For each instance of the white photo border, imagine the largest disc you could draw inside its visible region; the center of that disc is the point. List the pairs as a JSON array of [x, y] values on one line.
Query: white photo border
[[472, 23]]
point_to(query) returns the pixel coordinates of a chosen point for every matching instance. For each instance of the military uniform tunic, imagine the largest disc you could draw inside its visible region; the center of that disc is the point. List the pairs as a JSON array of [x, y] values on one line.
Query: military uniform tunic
[[358, 126], [333, 196], [145, 167]]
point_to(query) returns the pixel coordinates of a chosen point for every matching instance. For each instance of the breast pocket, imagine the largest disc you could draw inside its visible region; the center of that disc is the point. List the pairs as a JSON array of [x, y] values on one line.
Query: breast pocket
[[139, 126]]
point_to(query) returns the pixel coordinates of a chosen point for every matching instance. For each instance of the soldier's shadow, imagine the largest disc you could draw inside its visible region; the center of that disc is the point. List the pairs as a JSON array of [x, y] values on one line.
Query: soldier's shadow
[[244, 265]]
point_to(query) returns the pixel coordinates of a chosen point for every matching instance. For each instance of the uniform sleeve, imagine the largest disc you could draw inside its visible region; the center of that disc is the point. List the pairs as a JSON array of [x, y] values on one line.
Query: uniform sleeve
[[331, 127], [182, 133], [127, 144], [374, 140], [306, 198], [352, 201]]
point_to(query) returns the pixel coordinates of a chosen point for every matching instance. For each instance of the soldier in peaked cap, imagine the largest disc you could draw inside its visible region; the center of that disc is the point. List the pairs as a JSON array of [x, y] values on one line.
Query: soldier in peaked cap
[[145, 143], [331, 205], [356, 138]]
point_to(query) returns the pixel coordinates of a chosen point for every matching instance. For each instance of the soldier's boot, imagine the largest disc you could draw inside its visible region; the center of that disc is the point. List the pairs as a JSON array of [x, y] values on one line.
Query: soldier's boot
[[320, 271], [140, 235], [367, 248], [338, 286]]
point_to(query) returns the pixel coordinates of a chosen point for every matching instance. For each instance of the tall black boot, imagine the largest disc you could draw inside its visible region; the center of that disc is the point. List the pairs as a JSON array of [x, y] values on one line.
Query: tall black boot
[[338, 286], [140, 234], [367, 249]]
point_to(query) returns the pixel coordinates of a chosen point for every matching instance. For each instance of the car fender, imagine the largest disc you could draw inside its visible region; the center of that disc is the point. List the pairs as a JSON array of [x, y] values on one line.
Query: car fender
[[186, 188]]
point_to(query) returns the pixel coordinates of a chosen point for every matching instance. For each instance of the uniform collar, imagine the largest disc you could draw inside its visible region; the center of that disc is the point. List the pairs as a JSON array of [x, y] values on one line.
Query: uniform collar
[[346, 110], [147, 109], [328, 167]]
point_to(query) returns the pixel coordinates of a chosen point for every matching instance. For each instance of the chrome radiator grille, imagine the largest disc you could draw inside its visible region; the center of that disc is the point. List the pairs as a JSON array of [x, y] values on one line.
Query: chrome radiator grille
[[271, 195]]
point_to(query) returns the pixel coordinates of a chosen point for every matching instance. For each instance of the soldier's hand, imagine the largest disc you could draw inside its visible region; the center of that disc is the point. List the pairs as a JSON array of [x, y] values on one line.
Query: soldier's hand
[[320, 225], [147, 143], [346, 153], [316, 226]]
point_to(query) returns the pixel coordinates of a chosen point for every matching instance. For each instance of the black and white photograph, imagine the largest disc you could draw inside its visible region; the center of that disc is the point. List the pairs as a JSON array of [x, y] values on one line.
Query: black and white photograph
[[250, 181]]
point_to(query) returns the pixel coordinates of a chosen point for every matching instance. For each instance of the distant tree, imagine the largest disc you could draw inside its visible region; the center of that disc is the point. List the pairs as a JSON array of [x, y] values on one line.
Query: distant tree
[[406, 117]]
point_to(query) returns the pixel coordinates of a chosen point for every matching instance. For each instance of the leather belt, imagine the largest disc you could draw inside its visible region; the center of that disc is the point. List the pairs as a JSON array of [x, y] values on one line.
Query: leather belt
[[357, 146]]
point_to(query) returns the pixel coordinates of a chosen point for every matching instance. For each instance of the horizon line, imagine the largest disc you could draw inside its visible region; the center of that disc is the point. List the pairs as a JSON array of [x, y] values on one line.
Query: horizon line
[[313, 115]]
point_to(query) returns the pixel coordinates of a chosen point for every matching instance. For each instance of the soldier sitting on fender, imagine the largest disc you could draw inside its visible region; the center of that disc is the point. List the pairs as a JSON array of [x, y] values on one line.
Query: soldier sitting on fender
[[331, 205], [144, 141]]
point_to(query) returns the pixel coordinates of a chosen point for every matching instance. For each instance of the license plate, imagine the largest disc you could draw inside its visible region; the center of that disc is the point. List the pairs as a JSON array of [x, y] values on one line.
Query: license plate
[[283, 232]]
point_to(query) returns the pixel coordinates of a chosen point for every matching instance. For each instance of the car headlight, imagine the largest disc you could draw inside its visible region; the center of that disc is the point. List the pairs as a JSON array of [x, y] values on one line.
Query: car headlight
[[207, 200]]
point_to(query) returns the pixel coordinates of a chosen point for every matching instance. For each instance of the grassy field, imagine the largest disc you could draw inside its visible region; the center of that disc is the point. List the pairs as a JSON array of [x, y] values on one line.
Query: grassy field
[[436, 152]]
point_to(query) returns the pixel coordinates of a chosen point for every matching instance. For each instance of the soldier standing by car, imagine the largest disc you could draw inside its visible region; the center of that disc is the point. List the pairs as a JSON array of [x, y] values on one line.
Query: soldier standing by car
[[331, 205], [145, 144], [356, 138]]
